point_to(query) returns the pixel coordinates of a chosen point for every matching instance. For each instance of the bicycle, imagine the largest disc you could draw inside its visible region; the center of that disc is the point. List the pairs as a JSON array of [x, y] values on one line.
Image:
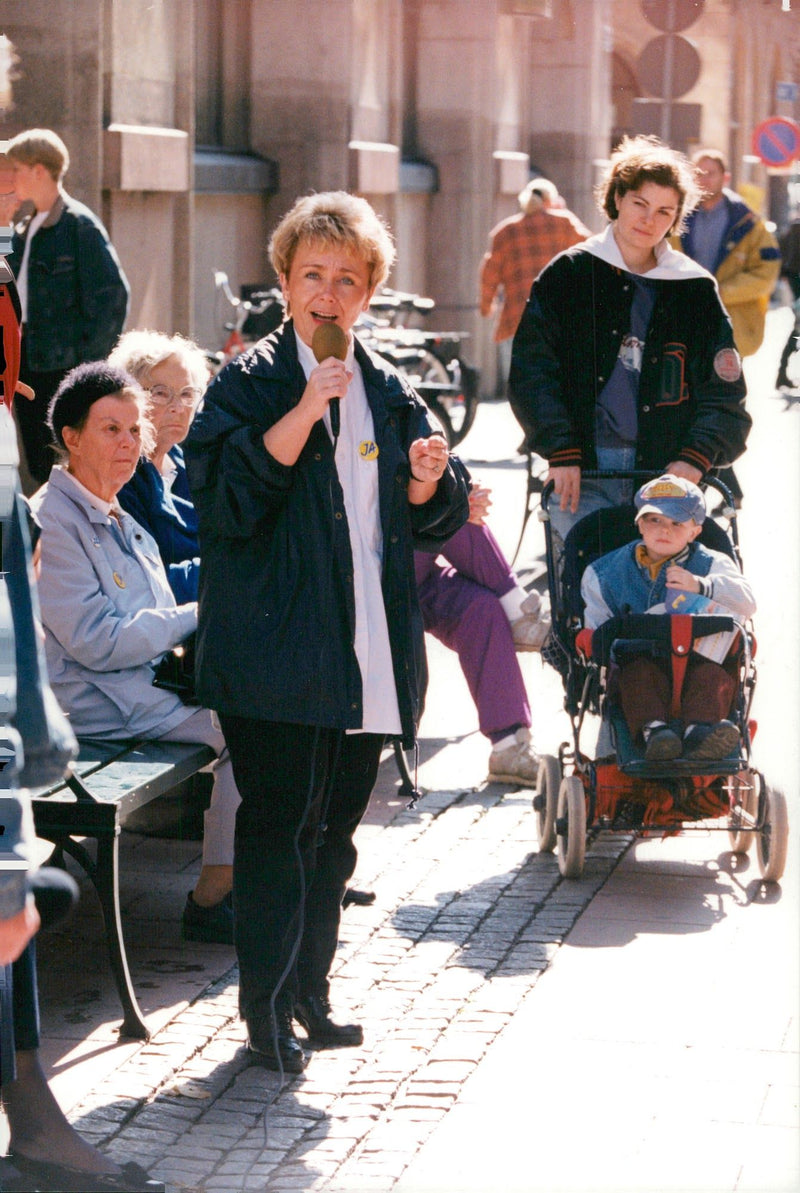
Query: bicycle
[[430, 359], [244, 310]]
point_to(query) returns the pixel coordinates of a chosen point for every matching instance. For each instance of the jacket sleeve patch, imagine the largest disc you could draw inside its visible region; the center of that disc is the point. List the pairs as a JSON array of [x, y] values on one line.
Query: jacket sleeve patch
[[728, 364]]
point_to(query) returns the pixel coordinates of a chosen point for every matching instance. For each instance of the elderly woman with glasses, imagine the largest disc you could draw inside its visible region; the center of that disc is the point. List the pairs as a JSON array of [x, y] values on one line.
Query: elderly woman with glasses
[[109, 613], [174, 374]]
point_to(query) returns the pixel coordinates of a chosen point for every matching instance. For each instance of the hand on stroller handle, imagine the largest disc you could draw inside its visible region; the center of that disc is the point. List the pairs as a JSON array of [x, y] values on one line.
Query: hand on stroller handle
[[708, 481]]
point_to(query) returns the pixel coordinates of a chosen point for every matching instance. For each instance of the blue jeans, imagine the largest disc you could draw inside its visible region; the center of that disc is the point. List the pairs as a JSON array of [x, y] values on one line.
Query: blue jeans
[[597, 494]]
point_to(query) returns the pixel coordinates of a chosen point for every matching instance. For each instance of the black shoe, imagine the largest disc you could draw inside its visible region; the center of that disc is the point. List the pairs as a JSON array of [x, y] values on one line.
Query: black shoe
[[709, 743], [358, 898], [261, 1041], [314, 1014], [661, 744], [212, 925], [44, 1175]]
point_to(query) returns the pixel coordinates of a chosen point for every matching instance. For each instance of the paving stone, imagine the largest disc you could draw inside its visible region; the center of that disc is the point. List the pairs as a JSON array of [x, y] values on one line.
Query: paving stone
[[434, 971]]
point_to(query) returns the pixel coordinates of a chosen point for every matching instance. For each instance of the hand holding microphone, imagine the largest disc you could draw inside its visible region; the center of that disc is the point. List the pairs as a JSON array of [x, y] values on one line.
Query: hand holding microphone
[[330, 340]]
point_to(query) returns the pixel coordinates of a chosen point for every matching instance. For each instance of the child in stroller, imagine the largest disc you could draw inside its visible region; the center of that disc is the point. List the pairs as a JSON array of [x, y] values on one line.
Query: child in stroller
[[673, 692], [667, 570]]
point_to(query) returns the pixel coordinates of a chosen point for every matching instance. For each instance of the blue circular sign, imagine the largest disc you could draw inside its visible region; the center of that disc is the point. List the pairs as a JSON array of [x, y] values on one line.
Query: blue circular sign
[[777, 141]]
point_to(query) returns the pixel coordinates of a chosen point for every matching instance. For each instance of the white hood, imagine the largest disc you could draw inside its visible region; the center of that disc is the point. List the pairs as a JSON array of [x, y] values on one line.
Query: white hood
[[672, 266]]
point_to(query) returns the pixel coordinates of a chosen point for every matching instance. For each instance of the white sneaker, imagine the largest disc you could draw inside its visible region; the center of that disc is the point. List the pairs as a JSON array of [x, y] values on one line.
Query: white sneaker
[[531, 629], [517, 763]]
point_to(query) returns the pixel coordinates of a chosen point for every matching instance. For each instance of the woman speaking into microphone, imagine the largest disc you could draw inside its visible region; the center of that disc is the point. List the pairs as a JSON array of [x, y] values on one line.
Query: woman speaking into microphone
[[310, 640]]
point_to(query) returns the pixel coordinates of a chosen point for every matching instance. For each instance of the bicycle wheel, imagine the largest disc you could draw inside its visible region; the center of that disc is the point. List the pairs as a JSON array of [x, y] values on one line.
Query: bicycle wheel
[[458, 405]]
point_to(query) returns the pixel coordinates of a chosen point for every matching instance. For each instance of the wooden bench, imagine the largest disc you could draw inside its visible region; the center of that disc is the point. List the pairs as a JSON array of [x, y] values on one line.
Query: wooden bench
[[109, 781]]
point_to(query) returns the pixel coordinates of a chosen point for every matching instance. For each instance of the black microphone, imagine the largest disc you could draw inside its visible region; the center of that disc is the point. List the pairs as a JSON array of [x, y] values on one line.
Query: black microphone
[[330, 340]]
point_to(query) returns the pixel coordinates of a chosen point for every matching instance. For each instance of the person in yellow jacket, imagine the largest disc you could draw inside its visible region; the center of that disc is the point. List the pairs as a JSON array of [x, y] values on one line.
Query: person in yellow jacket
[[731, 241]]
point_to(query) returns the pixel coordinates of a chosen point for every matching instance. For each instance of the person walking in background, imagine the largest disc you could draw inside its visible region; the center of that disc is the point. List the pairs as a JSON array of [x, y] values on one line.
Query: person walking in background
[[731, 241], [72, 288], [790, 269], [519, 248]]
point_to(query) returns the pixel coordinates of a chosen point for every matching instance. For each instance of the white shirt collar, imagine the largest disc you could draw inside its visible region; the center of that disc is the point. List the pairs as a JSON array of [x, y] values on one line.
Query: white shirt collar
[[106, 507], [670, 265]]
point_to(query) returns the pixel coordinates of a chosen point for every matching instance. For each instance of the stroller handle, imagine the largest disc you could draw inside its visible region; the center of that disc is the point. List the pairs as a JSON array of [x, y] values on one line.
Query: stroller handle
[[639, 475]]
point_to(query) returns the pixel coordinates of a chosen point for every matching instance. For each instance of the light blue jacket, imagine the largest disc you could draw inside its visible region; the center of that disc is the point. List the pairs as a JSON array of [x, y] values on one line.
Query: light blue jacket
[[108, 613], [615, 583]]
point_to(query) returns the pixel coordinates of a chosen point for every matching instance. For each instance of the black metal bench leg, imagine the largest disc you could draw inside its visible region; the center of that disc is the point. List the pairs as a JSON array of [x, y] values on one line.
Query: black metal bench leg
[[106, 881], [407, 786]]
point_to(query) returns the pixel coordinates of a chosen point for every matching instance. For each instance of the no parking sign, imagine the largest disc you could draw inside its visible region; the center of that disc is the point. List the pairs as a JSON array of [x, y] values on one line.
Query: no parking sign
[[777, 141]]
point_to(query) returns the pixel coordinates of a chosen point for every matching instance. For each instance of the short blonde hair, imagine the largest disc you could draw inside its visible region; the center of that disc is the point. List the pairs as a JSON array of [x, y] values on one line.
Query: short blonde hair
[[334, 219], [40, 147], [141, 350]]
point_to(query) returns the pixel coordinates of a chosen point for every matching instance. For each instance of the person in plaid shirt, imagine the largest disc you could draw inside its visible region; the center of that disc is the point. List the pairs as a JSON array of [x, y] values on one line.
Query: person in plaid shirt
[[520, 247]]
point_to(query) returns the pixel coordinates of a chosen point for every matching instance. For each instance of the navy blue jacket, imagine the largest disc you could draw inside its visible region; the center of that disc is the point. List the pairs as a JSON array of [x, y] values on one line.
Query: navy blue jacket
[[277, 608], [77, 292], [170, 517]]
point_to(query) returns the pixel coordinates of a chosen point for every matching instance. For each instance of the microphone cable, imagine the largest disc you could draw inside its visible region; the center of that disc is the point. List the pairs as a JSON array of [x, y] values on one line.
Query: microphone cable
[[295, 950]]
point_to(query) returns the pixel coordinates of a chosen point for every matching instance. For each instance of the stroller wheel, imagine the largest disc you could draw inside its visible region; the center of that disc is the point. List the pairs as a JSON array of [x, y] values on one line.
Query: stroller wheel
[[773, 840], [545, 802], [744, 799], [571, 827]]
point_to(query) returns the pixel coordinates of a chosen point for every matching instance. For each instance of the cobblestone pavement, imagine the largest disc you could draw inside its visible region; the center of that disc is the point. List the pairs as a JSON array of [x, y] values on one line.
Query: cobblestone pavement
[[468, 917], [434, 970]]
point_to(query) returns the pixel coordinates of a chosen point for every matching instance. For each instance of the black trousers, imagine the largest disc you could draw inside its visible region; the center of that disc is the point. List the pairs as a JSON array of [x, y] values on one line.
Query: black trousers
[[304, 791], [32, 417], [793, 342]]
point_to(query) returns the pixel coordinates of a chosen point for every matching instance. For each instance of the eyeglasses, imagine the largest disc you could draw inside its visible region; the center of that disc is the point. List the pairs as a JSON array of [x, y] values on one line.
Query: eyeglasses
[[162, 395]]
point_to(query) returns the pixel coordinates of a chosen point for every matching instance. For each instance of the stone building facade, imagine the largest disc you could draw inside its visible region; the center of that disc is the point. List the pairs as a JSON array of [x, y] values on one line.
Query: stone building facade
[[193, 124]]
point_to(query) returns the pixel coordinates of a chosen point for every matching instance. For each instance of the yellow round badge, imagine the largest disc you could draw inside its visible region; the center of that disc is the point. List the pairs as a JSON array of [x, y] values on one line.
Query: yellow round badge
[[368, 449], [120, 583]]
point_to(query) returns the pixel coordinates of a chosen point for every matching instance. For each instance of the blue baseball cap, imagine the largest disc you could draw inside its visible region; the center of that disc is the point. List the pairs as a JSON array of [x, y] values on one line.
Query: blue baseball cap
[[673, 497]]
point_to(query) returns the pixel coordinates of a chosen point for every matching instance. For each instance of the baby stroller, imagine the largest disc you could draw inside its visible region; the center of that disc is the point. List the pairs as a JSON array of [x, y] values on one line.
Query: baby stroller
[[578, 796]]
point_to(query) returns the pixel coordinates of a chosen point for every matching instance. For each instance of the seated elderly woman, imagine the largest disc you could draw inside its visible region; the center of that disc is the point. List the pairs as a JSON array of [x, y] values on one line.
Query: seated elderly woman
[[174, 373], [109, 613]]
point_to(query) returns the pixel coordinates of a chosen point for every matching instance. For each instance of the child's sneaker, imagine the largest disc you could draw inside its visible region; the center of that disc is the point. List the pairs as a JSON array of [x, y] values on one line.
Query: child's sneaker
[[660, 742], [531, 629], [515, 763], [708, 743]]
